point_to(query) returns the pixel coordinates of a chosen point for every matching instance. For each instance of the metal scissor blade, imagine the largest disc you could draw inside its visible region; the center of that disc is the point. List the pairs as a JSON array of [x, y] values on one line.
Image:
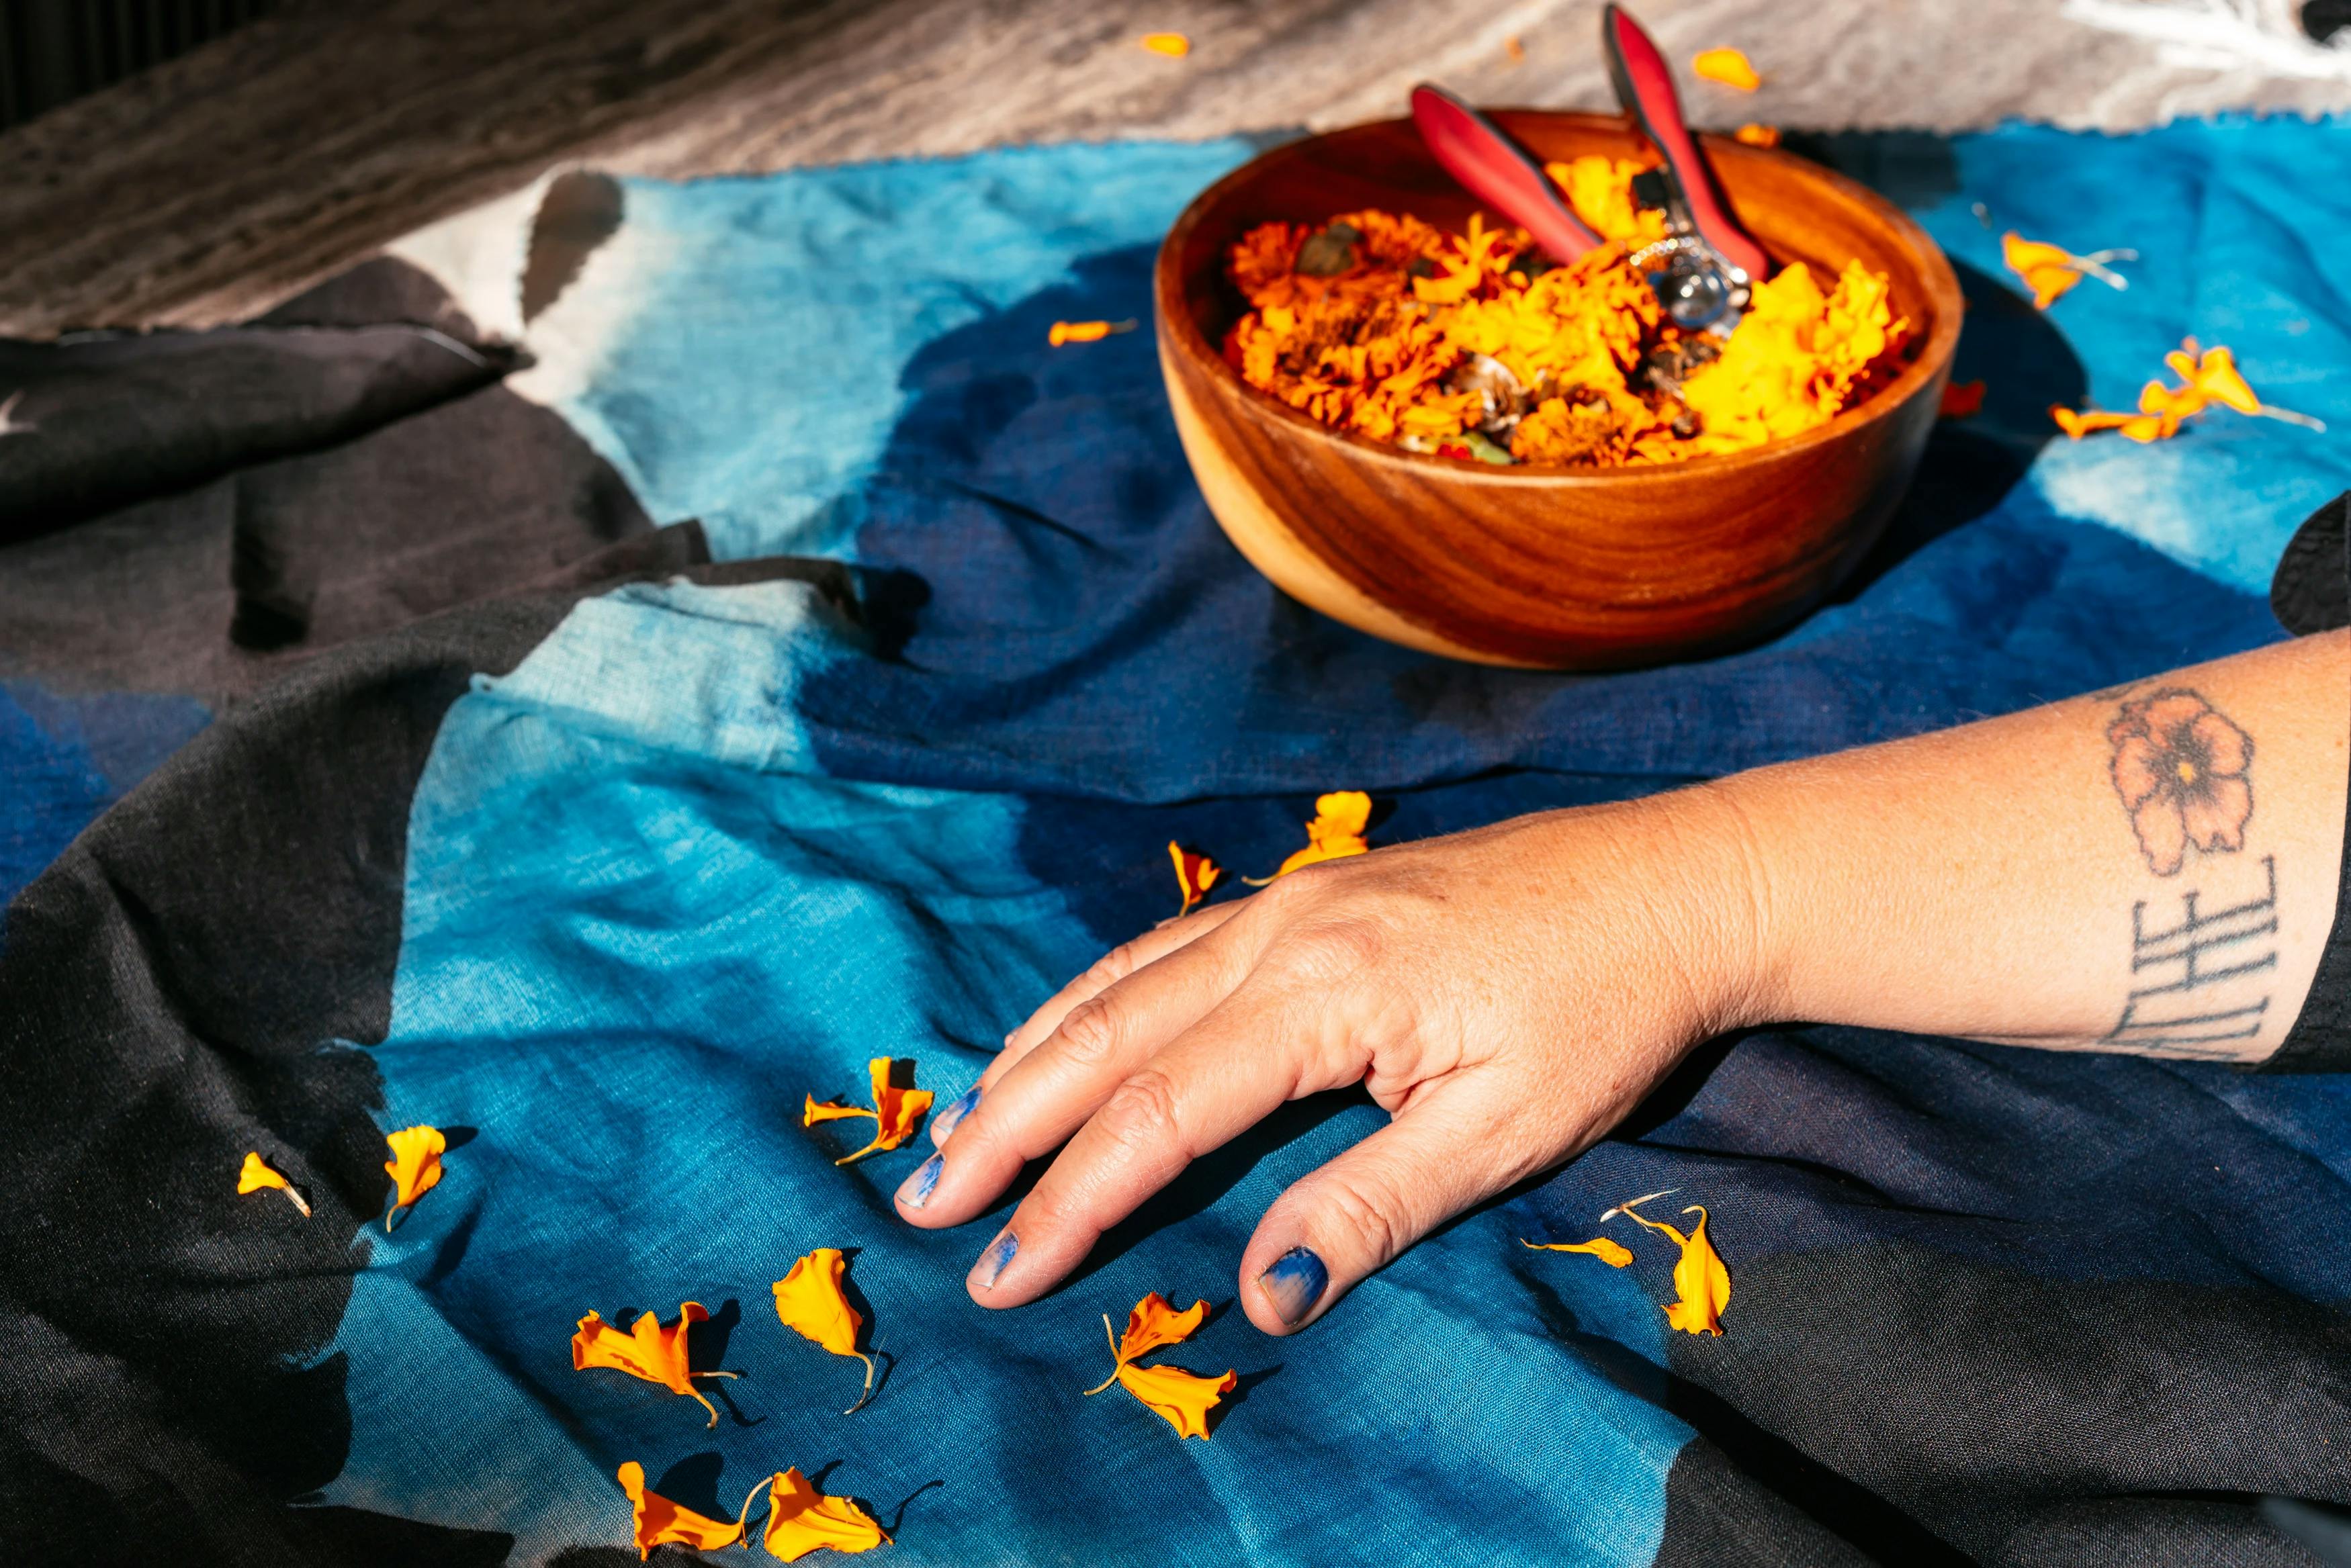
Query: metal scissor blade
[[1645, 84], [1496, 170]]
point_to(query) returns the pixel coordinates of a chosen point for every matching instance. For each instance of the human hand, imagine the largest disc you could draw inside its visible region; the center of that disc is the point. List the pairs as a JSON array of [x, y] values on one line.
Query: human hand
[[1507, 994]]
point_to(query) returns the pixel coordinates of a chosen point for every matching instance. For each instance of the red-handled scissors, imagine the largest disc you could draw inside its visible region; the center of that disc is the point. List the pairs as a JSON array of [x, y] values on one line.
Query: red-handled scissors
[[1705, 268]]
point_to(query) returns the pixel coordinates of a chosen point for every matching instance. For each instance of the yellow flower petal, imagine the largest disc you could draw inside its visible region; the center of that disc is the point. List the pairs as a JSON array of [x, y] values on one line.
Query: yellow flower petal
[[1609, 1253], [649, 1351], [1701, 1282], [1195, 875], [659, 1522], [1755, 135], [414, 1166], [257, 1174], [896, 1113], [1183, 1400], [1174, 45], [810, 1302], [1727, 66], [801, 1520]]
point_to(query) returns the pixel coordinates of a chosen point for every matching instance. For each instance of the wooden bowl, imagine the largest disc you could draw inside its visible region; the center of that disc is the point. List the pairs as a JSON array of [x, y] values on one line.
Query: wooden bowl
[[1545, 568]]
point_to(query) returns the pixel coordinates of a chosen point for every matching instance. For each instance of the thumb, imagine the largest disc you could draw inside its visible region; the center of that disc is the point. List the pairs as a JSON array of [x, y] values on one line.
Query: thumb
[[1347, 1219]]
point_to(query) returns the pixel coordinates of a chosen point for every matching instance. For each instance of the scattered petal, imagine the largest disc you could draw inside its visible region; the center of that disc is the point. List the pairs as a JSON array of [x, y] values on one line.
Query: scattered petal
[[1961, 399], [649, 1351], [897, 1111], [801, 1520], [1195, 875], [1183, 1400], [414, 1166], [1064, 332], [1729, 67], [2050, 271], [1174, 45], [1515, 49], [660, 1521], [812, 1304], [1700, 1280], [1756, 135], [1336, 832], [258, 1174], [1610, 1252]]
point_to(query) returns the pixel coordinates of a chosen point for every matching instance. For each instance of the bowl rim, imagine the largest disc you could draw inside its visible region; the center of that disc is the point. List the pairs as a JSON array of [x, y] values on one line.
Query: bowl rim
[[1931, 360]]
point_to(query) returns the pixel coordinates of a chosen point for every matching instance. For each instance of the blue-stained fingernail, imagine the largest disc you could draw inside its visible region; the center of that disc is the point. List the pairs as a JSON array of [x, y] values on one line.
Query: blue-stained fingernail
[[999, 1252], [915, 1190], [1293, 1282], [956, 1109]]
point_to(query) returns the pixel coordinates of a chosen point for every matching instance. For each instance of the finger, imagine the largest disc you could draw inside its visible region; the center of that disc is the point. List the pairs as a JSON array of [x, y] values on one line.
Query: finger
[[1048, 1093], [1448, 1149], [1262, 1047], [1105, 971]]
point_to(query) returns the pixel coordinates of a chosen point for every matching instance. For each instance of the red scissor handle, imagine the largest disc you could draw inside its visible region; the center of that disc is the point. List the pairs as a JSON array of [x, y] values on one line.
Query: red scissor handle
[[1646, 86], [1496, 170]]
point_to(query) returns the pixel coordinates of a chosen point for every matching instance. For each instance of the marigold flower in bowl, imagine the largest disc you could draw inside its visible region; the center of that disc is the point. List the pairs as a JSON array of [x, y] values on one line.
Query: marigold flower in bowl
[[414, 1166], [2181, 769], [897, 1111], [258, 1175], [1183, 1400]]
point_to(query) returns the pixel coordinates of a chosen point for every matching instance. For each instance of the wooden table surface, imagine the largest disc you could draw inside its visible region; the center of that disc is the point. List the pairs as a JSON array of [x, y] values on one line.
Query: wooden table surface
[[207, 190]]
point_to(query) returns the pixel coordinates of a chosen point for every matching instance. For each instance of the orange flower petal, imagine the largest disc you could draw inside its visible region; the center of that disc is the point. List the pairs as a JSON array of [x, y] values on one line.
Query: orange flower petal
[[896, 1113], [1195, 875], [1961, 399], [1756, 135], [414, 1166], [801, 1520], [1062, 332], [810, 1302], [649, 1351], [1154, 1323], [659, 1522], [1609, 1253], [1701, 1282], [1727, 66], [1336, 832], [1181, 1398], [258, 1174], [1174, 45]]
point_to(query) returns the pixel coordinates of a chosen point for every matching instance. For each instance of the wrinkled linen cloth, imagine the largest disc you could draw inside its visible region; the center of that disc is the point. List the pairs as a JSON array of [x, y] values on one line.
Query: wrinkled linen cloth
[[615, 666]]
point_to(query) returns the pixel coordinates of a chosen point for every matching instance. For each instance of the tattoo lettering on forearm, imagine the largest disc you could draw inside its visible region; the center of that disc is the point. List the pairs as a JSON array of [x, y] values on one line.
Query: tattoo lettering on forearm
[[2184, 770], [2201, 987]]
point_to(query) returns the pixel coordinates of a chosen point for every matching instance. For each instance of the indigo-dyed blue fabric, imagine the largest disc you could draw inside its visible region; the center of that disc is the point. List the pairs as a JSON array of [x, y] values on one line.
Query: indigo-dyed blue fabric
[[64, 760], [707, 850]]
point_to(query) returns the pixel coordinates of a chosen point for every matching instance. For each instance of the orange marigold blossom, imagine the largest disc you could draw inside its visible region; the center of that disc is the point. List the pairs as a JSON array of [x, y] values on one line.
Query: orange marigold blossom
[[1381, 325], [1730, 67], [896, 1111], [658, 1521], [1183, 1400], [1195, 875], [259, 1174], [810, 1302], [414, 1166], [649, 1351], [1611, 1253], [1062, 332], [1701, 1282], [801, 1520]]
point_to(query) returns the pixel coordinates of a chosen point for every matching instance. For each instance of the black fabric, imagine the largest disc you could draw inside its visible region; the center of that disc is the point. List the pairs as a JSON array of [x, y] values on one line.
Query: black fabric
[[271, 493], [2311, 592]]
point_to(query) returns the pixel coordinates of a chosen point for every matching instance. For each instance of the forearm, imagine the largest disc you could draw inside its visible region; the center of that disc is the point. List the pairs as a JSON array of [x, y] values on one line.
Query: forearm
[[2090, 874]]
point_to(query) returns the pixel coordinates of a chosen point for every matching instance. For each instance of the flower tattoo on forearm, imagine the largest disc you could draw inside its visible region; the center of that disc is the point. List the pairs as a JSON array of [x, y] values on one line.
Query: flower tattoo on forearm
[[2183, 770]]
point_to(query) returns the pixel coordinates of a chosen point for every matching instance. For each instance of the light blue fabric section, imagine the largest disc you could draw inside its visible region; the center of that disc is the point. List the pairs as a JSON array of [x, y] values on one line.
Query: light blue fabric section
[[752, 331], [638, 928], [2242, 228]]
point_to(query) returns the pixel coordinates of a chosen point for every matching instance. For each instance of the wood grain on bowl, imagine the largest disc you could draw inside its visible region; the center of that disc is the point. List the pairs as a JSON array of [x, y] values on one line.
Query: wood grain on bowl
[[1545, 567]]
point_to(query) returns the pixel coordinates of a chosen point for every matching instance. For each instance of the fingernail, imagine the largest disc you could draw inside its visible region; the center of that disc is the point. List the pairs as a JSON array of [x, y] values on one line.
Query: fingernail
[[1293, 1282], [915, 1190], [956, 1109], [999, 1252]]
